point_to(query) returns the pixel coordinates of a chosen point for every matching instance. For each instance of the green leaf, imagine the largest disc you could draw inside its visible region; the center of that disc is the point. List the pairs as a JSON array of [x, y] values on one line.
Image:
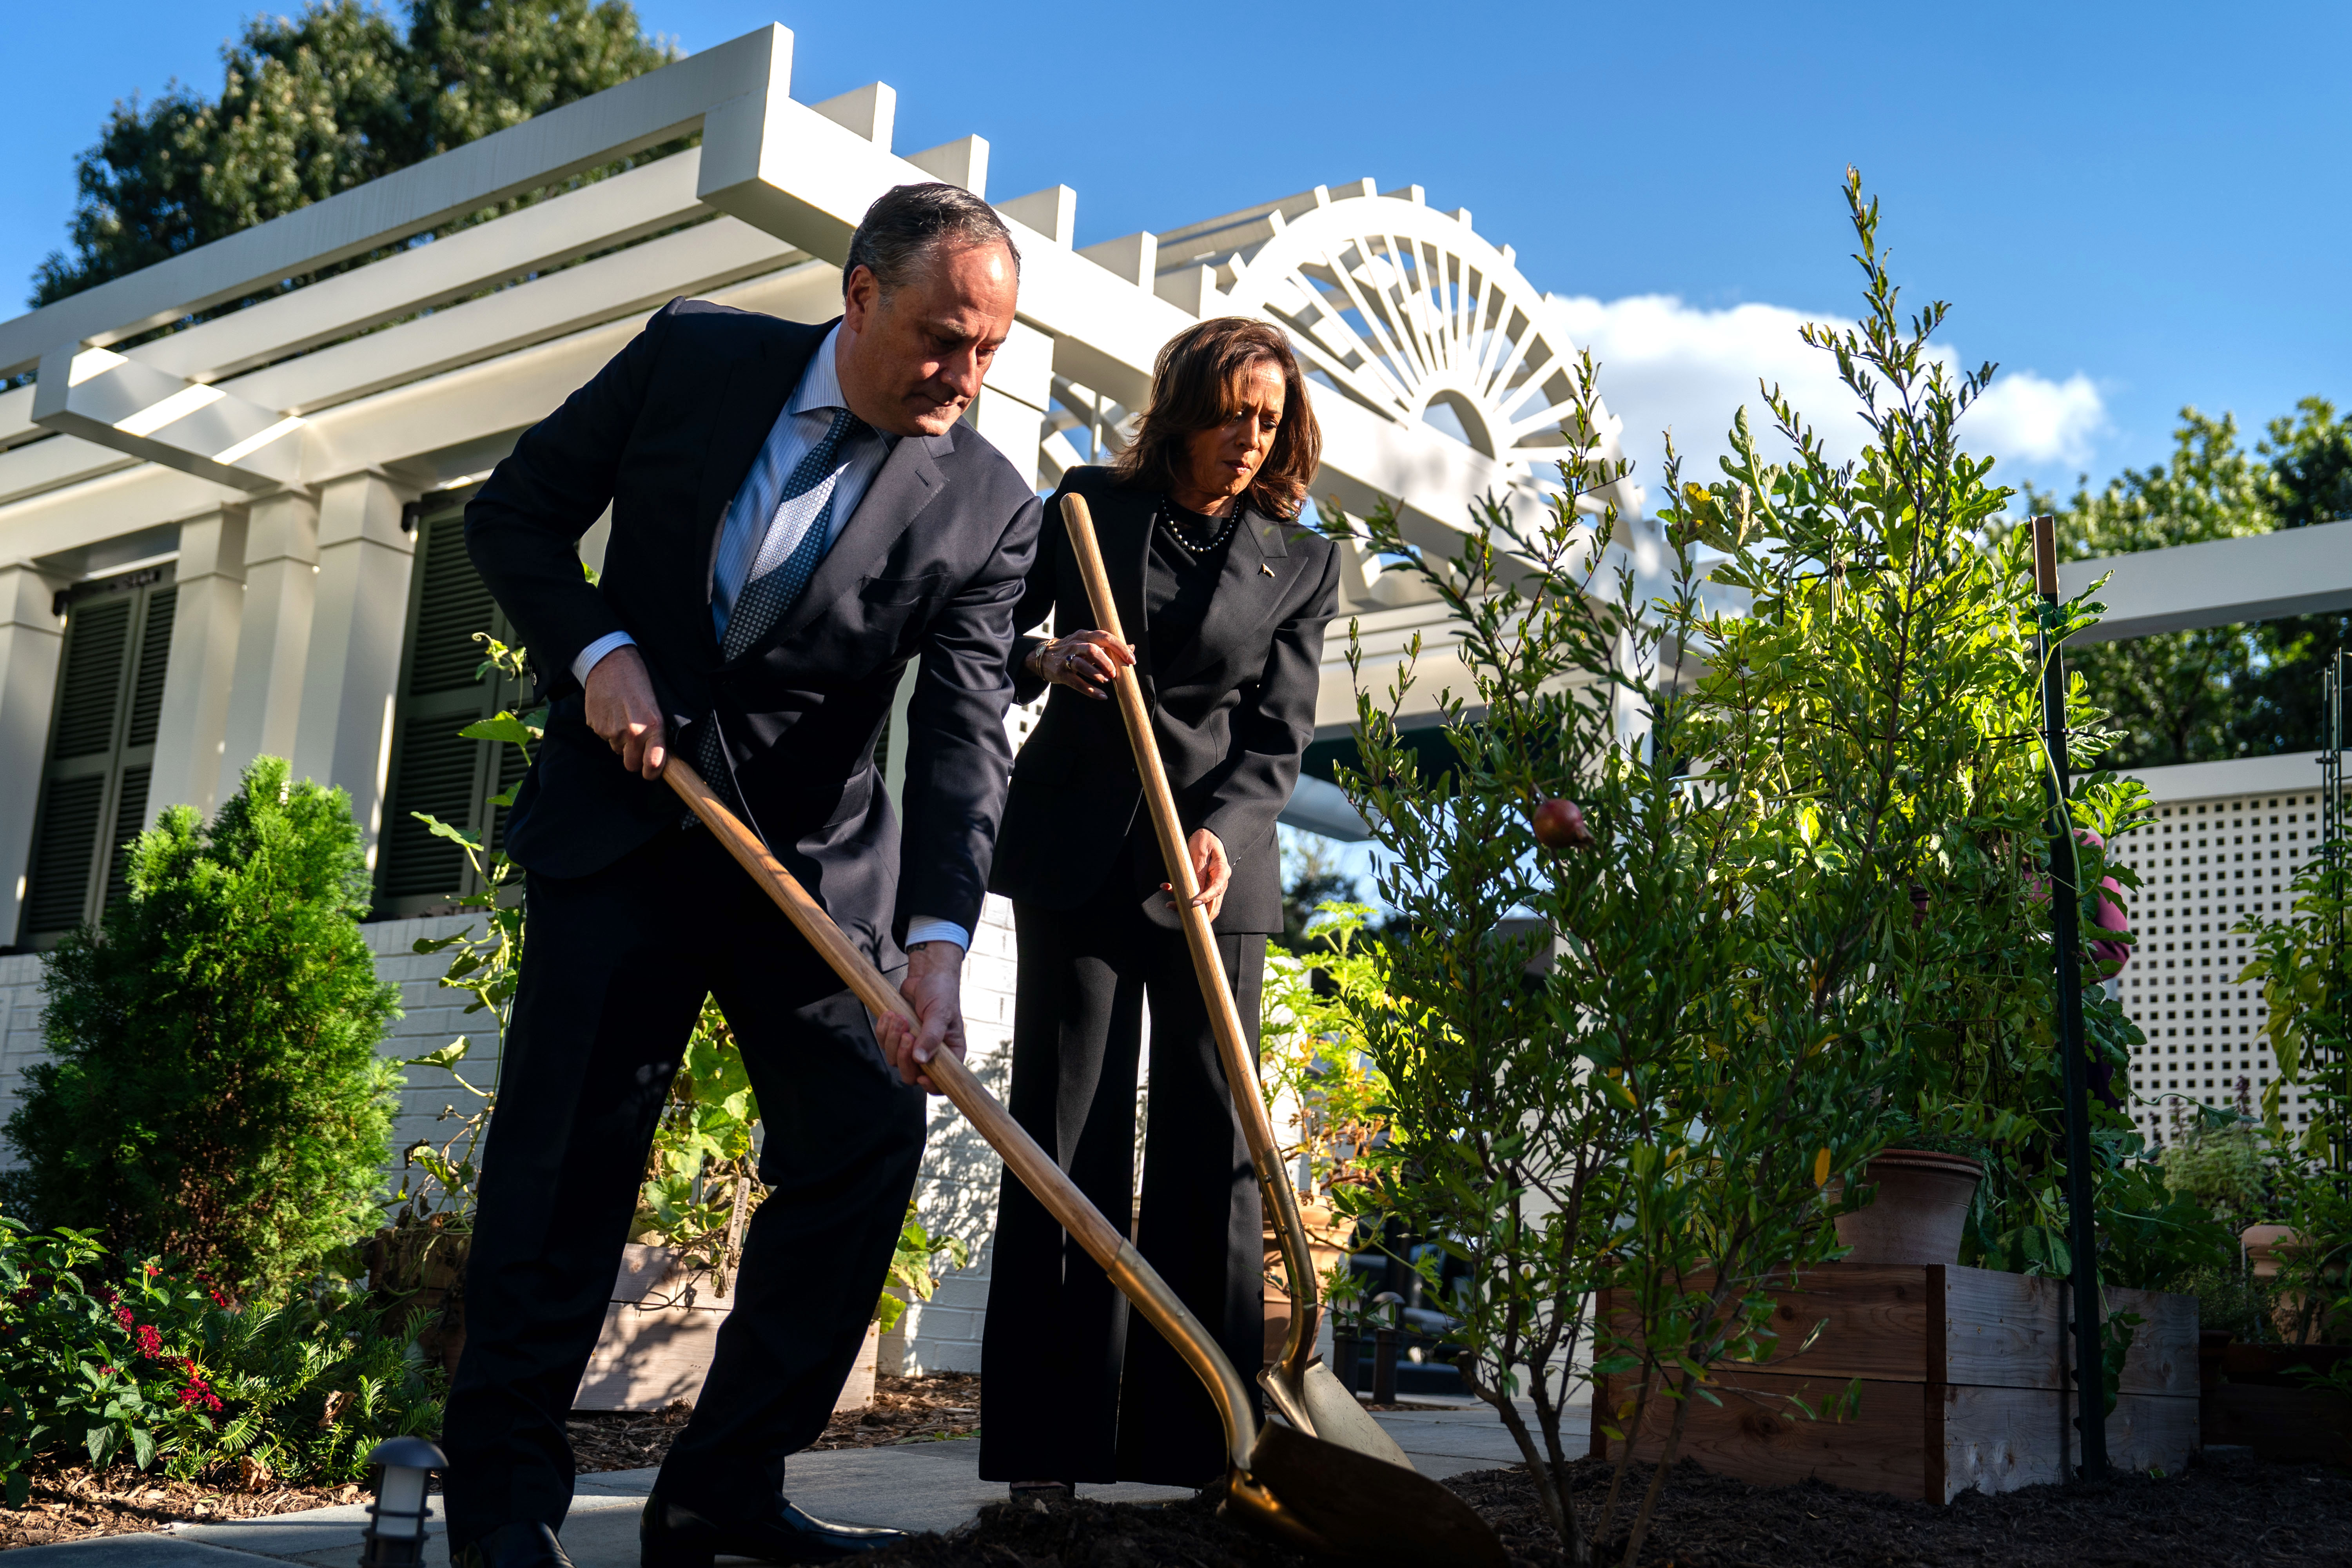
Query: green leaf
[[500, 727], [441, 829]]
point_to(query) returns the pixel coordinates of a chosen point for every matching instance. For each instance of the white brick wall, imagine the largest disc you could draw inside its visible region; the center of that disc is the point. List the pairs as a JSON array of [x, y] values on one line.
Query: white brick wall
[[956, 1193]]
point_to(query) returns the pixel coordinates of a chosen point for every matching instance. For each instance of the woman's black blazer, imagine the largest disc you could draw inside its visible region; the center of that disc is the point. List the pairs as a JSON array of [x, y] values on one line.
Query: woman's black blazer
[[1233, 714]]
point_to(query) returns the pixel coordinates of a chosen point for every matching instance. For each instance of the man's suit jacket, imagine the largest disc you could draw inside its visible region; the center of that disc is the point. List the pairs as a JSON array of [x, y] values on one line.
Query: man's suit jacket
[[928, 567], [1233, 713]]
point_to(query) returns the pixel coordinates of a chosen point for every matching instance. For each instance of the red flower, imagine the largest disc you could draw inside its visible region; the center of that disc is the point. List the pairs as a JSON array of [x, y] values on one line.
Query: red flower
[[218, 1299], [122, 1315], [199, 1395], [151, 1343]]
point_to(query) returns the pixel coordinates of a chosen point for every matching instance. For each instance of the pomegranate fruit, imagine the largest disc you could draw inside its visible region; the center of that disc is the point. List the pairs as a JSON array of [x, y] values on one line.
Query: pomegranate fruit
[[1559, 824]]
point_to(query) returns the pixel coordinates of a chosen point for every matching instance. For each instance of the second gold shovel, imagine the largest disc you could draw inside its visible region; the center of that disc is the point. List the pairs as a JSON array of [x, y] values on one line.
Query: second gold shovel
[[1298, 1382]]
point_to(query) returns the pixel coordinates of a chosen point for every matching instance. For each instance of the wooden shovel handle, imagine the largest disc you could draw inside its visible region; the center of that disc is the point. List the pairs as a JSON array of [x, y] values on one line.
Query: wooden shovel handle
[[1224, 1017], [848, 960], [1036, 1171]]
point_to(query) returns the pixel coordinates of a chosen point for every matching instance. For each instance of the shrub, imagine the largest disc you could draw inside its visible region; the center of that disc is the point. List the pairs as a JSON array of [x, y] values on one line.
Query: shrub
[[216, 1096], [156, 1368]]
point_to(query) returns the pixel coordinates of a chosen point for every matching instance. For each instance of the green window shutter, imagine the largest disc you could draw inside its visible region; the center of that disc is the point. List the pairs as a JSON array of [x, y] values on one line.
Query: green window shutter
[[63, 847], [129, 821], [434, 769], [154, 659], [110, 701], [89, 691]]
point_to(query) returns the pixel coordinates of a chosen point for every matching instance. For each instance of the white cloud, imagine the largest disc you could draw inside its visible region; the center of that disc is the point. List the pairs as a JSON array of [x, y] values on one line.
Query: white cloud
[[1667, 366]]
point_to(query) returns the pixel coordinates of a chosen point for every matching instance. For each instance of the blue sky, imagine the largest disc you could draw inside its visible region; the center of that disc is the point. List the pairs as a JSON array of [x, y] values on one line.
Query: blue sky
[[2131, 207]]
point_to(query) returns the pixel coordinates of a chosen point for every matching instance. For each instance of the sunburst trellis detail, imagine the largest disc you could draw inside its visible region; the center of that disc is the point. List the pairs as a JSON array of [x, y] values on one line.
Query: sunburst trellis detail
[[1407, 311]]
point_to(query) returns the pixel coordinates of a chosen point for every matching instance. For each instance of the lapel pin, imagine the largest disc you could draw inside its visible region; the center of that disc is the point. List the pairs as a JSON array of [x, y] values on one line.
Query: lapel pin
[[1267, 567]]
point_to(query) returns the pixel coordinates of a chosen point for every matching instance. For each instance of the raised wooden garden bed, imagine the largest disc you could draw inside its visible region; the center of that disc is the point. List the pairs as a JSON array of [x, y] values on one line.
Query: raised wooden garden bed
[[2253, 1397], [1959, 1383]]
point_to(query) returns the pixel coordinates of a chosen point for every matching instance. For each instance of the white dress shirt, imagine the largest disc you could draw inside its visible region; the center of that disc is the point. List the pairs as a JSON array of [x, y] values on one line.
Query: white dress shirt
[[807, 414]]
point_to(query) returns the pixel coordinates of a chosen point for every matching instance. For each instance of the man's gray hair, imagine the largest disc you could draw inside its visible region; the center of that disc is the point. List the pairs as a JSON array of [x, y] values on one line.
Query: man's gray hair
[[908, 223]]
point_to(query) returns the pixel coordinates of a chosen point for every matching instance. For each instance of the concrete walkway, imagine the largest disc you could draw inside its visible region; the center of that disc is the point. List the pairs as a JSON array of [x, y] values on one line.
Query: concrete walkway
[[915, 1485]]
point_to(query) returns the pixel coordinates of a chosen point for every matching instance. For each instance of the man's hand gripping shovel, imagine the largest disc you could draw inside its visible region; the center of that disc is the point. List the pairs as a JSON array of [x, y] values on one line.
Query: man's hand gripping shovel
[[1282, 1480]]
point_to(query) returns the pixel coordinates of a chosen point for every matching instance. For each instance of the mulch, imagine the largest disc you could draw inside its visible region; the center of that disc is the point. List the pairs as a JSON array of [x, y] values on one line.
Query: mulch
[[72, 1503], [2233, 1514], [2220, 1515], [2223, 1515]]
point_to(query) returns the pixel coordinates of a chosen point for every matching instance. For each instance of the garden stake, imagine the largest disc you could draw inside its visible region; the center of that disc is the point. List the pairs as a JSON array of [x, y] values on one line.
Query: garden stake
[[2090, 1385], [1285, 1483], [1298, 1382]]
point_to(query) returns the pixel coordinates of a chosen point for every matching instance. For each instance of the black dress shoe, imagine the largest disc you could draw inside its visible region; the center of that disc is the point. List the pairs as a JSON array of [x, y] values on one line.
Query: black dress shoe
[[513, 1546], [671, 1536]]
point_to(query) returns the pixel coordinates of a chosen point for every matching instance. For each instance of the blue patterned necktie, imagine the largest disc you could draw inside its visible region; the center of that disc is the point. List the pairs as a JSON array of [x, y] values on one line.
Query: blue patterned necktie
[[773, 586]]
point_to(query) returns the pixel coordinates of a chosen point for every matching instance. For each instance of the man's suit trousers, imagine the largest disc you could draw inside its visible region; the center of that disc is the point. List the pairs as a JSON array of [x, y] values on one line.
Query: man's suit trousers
[[614, 969], [1072, 1388]]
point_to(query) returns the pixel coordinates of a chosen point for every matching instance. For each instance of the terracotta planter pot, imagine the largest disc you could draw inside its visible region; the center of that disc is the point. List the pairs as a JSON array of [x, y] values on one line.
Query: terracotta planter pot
[[1920, 1210], [2267, 1248]]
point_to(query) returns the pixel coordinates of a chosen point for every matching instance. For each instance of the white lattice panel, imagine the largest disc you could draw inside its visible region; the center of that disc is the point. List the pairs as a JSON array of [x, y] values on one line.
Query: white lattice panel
[[2205, 866]]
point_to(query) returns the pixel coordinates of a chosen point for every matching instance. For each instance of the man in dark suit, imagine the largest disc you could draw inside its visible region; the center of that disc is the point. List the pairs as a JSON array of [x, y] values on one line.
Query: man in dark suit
[[797, 516]]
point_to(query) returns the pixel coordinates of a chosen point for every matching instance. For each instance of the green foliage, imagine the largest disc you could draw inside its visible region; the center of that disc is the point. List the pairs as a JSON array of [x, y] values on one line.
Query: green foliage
[[2217, 691], [702, 1178], [441, 1178], [157, 1369], [2221, 1165], [313, 105], [2229, 1298], [1312, 878], [915, 1267], [213, 1093], [1647, 1091], [1312, 1059]]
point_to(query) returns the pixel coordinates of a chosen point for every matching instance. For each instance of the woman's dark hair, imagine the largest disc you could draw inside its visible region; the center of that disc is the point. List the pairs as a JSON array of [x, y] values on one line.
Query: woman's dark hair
[[908, 223], [1196, 386]]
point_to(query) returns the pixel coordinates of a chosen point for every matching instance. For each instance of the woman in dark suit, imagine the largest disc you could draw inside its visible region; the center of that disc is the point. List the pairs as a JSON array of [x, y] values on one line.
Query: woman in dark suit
[[1226, 598]]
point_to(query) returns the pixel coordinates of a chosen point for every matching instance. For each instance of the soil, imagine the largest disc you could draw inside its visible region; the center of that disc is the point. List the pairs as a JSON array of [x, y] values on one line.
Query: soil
[[904, 1410], [2234, 1514], [2210, 1516], [1084, 1534], [70, 1503]]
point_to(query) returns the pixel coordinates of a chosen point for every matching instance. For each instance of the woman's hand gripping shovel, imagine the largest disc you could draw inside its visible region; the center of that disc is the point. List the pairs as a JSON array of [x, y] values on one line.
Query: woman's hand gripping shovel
[[1309, 1492]]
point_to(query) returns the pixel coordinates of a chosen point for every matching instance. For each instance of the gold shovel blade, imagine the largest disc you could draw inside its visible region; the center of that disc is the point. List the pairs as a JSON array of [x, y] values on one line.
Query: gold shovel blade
[[1368, 1511]]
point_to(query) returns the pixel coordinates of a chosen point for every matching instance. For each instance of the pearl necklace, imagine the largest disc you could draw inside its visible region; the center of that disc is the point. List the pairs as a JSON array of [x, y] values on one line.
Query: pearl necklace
[[1198, 547]]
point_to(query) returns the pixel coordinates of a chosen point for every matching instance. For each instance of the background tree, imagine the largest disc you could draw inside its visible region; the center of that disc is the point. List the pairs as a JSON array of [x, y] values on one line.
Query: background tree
[[315, 104], [2249, 690], [213, 1093], [1313, 874]]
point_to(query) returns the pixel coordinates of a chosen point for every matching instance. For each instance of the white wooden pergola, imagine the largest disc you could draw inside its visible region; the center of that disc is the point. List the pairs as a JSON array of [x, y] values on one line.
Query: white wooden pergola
[[266, 454]]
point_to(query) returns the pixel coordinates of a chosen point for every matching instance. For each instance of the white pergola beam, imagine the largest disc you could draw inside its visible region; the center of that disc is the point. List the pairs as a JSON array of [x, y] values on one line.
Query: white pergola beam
[[134, 408], [609, 213], [656, 107], [2220, 583]]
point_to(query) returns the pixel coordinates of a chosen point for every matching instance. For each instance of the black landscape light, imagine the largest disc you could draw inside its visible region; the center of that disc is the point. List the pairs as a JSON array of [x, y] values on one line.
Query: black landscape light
[[395, 1533]]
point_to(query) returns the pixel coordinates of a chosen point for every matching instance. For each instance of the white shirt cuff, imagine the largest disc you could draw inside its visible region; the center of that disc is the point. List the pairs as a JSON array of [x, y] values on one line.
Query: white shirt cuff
[[595, 652], [923, 928]]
